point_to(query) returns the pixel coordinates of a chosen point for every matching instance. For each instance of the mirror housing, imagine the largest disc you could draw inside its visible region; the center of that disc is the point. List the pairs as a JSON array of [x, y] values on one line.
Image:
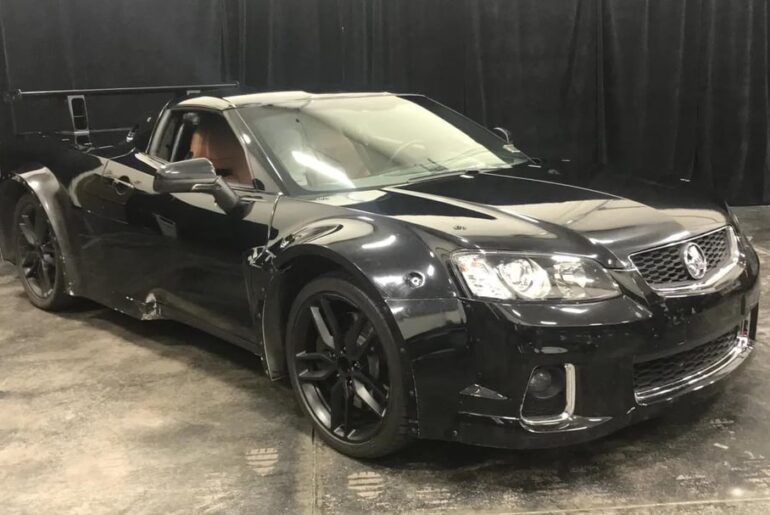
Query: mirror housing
[[196, 176], [503, 133], [186, 176]]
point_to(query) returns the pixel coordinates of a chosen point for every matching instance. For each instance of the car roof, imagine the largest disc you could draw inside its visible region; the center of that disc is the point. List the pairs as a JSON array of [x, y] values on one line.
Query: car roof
[[272, 97]]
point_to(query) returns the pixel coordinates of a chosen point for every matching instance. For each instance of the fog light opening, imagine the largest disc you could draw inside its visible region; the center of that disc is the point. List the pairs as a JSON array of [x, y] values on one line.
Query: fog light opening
[[546, 382], [550, 395]]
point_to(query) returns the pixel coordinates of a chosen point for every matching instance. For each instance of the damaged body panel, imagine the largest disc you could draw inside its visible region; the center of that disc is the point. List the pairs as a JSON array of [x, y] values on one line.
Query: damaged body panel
[[527, 310]]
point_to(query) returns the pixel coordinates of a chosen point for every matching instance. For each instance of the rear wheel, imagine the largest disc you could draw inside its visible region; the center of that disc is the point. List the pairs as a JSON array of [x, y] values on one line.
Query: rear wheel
[[345, 369], [38, 257]]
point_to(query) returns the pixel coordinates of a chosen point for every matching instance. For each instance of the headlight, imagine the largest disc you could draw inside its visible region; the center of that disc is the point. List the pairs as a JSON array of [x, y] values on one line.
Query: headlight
[[505, 276]]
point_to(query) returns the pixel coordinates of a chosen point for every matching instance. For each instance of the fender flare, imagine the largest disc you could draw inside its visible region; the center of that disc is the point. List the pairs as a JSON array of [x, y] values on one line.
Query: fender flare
[[377, 255], [272, 335], [321, 251], [43, 184]]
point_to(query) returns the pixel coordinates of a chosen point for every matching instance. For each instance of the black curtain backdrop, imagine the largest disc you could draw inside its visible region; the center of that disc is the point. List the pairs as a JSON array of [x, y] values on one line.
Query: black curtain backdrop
[[70, 44], [5, 110], [650, 88]]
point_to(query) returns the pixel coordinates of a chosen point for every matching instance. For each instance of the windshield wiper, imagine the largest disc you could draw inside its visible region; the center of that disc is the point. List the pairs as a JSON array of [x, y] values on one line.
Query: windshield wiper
[[461, 171], [437, 175], [406, 171]]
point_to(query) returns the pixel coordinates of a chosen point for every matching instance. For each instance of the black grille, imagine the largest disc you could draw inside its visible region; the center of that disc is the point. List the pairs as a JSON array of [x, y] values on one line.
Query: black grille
[[663, 371], [664, 266]]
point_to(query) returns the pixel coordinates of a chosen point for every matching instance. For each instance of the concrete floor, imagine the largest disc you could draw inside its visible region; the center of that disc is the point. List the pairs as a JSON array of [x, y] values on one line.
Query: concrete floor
[[100, 413]]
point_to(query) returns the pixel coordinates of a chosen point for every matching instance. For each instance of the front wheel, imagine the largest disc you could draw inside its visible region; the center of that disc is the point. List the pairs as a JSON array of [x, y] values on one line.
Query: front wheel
[[345, 368], [38, 256]]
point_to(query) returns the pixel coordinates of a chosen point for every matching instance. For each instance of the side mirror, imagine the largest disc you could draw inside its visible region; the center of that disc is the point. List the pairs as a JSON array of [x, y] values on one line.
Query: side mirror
[[196, 175], [503, 133]]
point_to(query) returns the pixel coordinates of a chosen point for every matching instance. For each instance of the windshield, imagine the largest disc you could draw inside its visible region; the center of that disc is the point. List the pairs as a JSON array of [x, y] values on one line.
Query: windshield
[[356, 142]]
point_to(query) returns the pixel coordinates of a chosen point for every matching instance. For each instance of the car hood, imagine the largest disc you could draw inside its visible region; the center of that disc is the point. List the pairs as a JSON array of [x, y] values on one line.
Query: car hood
[[528, 210]]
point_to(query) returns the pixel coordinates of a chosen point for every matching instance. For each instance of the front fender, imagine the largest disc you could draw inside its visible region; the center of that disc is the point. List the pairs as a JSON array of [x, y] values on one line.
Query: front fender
[[389, 259], [387, 255]]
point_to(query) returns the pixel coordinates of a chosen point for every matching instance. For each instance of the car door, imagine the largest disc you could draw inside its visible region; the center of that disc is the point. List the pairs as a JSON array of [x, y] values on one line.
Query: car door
[[180, 255]]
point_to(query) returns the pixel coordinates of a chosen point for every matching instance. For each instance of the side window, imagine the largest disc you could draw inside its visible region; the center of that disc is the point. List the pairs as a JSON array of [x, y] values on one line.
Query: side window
[[173, 142], [188, 135]]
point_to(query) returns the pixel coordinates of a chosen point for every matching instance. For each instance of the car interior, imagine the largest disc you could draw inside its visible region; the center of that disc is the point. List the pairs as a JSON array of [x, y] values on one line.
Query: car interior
[[205, 135]]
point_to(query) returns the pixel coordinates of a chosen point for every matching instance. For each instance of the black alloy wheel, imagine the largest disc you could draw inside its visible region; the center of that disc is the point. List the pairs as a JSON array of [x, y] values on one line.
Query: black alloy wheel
[[38, 256], [341, 369], [345, 368]]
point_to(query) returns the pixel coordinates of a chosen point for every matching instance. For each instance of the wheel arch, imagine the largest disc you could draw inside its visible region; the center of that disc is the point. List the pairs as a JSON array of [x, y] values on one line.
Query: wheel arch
[[378, 254], [40, 182], [10, 193], [298, 266], [295, 268]]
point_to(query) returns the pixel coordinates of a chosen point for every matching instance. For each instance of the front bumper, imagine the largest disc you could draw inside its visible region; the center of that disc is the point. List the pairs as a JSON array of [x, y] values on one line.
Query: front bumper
[[517, 432], [472, 360]]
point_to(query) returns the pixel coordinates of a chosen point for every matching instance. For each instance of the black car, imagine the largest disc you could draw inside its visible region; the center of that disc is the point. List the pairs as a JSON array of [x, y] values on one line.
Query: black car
[[413, 274]]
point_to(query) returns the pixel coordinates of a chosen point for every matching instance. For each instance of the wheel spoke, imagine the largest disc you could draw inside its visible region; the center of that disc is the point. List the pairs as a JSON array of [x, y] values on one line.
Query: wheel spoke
[[363, 394], [323, 329], [327, 325], [28, 259], [325, 366], [364, 347], [49, 259], [320, 374], [351, 337], [44, 278], [30, 271], [340, 407], [370, 384], [348, 404], [334, 325], [322, 358], [41, 226], [27, 230]]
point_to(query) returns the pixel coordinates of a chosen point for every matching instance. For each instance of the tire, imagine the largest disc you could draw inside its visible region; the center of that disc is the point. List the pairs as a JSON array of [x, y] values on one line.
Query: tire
[[38, 256], [360, 372]]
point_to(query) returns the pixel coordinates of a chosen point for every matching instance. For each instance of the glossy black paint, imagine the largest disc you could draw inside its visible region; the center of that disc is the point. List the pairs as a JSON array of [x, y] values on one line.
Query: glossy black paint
[[181, 256]]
